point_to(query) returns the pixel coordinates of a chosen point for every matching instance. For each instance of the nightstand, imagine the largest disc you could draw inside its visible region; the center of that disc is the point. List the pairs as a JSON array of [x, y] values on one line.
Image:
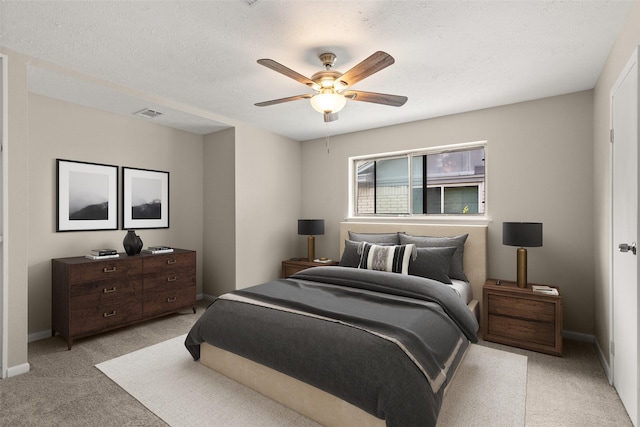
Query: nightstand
[[521, 318], [290, 267]]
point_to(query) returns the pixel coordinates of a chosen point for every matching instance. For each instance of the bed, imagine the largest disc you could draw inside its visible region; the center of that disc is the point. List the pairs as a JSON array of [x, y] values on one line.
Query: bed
[[316, 343]]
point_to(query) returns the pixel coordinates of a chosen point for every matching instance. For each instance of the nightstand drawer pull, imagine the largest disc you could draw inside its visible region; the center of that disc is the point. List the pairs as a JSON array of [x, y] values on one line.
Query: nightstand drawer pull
[[113, 313], [171, 261], [109, 269], [171, 299], [172, 279], [108, 291]]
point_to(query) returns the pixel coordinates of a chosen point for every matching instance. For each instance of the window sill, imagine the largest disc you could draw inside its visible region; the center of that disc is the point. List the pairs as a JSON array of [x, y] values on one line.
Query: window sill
[[431, 219]]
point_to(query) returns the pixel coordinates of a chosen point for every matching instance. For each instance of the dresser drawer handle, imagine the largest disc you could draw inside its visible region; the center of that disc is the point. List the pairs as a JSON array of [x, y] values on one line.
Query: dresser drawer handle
[[108, 291], [172, 279], [171, 261], [109, 269], [113, 313], [171, 299]]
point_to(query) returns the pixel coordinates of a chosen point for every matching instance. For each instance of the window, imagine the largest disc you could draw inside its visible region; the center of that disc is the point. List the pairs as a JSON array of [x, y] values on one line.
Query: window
[[424, 182]]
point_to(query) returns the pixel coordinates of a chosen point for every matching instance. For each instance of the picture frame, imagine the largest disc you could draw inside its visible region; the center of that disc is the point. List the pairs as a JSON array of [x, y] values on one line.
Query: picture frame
[[86, 196], [145, 195]]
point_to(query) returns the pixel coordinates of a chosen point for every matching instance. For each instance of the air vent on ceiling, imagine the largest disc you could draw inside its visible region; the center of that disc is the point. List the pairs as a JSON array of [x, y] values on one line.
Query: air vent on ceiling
[[148, 113]]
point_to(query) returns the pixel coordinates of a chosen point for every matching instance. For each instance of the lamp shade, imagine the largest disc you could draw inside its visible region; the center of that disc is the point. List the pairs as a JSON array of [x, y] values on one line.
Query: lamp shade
[[523, 234], [311, 227]]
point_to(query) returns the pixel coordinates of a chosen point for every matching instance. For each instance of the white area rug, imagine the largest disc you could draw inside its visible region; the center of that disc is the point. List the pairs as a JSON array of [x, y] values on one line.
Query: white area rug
[[489, 390]]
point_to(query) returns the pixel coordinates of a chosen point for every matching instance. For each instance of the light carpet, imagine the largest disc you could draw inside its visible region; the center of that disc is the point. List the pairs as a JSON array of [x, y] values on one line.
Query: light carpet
[[489, 389]]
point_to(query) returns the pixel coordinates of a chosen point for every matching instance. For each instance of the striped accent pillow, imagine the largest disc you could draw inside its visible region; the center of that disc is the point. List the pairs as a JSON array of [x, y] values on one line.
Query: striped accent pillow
[[386, 258]]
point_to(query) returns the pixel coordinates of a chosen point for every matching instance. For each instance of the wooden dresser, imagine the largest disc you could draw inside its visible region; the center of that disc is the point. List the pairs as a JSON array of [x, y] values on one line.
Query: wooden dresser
[[521, 318], [93, 296]]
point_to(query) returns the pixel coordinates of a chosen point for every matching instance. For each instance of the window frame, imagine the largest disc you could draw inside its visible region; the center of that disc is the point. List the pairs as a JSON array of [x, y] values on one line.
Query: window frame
[[481, 217]]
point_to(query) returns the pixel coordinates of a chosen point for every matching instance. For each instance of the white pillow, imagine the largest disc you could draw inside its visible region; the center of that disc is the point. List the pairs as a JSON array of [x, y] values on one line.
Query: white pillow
[[386, 258]]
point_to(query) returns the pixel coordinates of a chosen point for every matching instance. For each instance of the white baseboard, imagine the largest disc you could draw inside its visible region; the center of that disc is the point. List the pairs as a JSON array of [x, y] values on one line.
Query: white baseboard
[[603, 362], [37, 336], [13, 371], [578, 336]]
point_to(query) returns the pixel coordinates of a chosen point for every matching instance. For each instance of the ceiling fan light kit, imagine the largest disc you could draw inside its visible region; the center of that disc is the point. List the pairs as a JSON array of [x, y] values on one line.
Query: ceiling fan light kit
[[330, 85], [328, 101]]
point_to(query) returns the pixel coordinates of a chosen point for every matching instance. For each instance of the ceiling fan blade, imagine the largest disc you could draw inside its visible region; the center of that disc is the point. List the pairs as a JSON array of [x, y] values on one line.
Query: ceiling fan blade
[[377, 98], [276, 66], [281, 100], [371, 65]]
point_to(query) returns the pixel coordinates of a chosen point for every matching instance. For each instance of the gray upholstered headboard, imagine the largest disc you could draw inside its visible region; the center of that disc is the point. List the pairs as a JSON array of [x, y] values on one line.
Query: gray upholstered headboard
[[475, 248]]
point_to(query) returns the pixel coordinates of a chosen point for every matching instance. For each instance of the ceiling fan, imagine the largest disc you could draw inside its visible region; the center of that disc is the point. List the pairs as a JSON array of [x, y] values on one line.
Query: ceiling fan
[[331, 87]]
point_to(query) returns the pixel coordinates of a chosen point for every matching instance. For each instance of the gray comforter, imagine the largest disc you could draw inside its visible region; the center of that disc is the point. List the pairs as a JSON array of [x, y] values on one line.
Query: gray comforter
[[385, 342]]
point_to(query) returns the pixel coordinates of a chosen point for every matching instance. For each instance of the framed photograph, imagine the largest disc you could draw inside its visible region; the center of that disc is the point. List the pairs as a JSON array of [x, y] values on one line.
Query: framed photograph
[[87, 196], [145, 198]]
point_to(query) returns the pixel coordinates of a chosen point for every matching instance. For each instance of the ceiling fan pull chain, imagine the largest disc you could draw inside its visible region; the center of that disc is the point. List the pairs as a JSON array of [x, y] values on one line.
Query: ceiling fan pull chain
[[327, 138]]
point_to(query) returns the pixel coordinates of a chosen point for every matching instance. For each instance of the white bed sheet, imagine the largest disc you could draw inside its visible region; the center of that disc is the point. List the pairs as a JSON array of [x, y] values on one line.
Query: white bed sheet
[[463, 289]]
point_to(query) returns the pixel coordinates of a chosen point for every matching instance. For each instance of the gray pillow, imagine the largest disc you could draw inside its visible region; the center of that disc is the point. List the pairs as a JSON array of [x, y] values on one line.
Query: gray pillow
[[433, 263], [457, 267], [350, 257], [377, 238]]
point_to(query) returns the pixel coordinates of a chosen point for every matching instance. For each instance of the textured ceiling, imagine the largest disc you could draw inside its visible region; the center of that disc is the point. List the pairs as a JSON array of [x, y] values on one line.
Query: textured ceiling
[[195, 61]]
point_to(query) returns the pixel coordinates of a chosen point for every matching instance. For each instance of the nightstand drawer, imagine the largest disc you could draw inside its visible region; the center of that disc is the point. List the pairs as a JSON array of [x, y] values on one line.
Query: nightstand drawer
[[522, 330], [522, 308]]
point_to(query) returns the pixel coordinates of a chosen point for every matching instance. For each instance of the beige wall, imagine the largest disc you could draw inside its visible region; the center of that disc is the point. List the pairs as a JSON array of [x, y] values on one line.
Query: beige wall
[[68, 131], [627, 41], [252, 203], [16, 237], [268, 203], [219, 273], [539, 168]]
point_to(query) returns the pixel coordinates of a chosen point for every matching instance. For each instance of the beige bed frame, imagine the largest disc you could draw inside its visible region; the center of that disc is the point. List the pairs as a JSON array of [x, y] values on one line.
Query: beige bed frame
[[319, 405]]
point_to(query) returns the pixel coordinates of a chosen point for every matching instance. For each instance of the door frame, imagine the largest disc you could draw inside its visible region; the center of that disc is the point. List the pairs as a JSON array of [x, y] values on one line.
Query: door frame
[[633, 60], [4, 206]]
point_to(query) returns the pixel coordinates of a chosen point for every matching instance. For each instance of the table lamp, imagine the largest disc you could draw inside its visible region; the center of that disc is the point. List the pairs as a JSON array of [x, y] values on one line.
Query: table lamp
[[522, 234], [311, 228]]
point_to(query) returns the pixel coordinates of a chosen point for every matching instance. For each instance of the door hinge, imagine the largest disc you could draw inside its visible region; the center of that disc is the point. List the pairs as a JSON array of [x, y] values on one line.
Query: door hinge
[[613, 348], [611, 136]]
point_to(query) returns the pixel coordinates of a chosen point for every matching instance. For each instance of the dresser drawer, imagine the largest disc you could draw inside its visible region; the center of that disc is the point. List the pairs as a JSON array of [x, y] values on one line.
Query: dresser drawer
[[522, 308], [88, 319], [113, 291], [518, 329], [101, 270], [171, 261], [166, 301], [170, 279]]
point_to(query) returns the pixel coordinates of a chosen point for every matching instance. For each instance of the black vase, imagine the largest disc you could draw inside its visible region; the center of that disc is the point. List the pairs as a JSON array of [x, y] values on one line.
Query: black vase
[[132, 243]]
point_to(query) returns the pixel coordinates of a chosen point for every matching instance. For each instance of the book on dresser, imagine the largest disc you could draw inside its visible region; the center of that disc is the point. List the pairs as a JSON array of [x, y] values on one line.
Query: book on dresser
[[92, 256], [103, 252], [92, 296], [158, 250]]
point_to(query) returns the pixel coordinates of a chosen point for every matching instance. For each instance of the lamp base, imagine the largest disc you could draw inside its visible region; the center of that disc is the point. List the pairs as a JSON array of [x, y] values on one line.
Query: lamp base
[[311, 248], [521, 271]]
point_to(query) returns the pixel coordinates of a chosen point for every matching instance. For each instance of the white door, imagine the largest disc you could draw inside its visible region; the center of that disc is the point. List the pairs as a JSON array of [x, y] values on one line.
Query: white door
[[624, 352], [3, 249]]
